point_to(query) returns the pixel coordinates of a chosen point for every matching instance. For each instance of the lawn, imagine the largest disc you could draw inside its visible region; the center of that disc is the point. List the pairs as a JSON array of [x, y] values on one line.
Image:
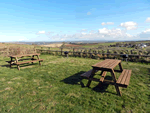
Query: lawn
[[56, 86], [97, 45]]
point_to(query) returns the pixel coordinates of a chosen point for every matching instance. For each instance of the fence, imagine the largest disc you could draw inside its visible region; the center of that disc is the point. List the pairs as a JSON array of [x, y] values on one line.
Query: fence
[[96, 54]]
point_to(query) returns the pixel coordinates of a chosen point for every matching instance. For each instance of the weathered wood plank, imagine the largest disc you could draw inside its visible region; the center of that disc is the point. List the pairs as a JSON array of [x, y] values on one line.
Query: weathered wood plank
[[18, 63], [128, 78], [121, 76], [124, 77], [103, 76]]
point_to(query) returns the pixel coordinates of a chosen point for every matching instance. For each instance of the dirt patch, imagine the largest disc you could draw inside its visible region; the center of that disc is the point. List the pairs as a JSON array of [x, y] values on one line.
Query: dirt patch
[[52, 45], [78, 45], [2, 44], [72, 45]]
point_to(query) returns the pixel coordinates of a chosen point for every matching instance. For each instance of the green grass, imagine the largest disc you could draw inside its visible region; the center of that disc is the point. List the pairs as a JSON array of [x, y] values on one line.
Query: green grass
[[97, 45], [56, 86]]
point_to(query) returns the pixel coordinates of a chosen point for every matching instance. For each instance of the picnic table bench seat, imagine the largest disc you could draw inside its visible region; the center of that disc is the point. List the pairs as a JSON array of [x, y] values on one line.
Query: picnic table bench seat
[[88, 73], [19, 58], [27, 55], [18, 63], [124, 78]]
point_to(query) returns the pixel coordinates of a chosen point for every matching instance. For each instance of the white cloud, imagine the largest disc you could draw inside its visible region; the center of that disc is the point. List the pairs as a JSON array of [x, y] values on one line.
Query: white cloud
[[104, 34], [146, 31], [148, 19], [83, 33], [41, 32], [108, 34], [129, 25], [114, 33], [128, 35], [23, 39], [144, 35], [110, 23], [88, 13], [62, 39], [103, 31], [107, 23], [103, 23], [84, 30]]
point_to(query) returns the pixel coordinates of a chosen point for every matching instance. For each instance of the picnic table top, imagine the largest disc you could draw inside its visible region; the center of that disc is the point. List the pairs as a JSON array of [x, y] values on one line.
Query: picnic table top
[[24, 55], [107, 64]]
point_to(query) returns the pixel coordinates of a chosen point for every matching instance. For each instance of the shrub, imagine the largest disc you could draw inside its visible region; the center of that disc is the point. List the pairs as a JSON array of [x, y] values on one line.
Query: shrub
[[148, 50], [15, 50]]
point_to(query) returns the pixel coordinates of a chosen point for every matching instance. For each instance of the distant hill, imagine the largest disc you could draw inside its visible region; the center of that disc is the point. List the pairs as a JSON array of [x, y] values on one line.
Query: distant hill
[[84, 41]]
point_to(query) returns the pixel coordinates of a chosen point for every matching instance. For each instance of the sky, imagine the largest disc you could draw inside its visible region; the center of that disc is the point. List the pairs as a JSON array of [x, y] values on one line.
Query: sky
[[68, 20]]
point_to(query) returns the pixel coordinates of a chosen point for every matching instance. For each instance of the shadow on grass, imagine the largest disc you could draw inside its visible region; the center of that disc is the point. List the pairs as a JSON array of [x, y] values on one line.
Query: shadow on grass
[[76, 79], [15, 66], [101, 87]]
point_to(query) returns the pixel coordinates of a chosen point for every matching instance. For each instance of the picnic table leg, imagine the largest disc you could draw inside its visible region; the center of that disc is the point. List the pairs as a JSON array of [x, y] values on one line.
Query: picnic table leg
[[92, 74], [17, 62], [11, 62], [38, 59], [32, 58], [120, 66], [114, 79], [18, 67], [103, 74]]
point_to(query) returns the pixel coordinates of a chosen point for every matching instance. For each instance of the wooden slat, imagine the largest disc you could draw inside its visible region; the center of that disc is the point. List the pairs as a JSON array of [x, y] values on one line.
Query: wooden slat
[[104, 64], [22, 60], [18, 63], [87, 74], [100, 63], [25, 55], [114, 64], [128, 78], [124, 77], [109, 62], [121, 76], [103, 76]]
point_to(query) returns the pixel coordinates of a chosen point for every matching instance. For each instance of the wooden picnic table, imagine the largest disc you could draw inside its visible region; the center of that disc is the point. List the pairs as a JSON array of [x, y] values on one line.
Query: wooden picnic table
[[105, 66], [18, 58]]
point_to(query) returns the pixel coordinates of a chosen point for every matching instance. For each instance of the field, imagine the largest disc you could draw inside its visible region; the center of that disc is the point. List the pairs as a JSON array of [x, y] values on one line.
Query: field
[[53, 45], [56, 87]]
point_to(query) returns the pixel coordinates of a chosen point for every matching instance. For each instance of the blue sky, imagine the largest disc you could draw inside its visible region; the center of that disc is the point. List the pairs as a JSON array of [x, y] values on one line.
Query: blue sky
[[45, 20]]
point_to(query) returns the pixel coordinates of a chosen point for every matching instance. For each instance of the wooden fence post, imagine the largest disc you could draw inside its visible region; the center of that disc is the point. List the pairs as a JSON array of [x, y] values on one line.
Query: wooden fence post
[[107, 53], [49, 50], [131, 56], [103, 53], [61, 50], [81, 54], [41, 49], [73, 52], [131, 51]]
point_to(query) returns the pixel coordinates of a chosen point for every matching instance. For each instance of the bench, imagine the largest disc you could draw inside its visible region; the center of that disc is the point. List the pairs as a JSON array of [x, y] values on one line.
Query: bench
[[88, 73], [29, 61], [124, 78], [18, 58], [13, 61]]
